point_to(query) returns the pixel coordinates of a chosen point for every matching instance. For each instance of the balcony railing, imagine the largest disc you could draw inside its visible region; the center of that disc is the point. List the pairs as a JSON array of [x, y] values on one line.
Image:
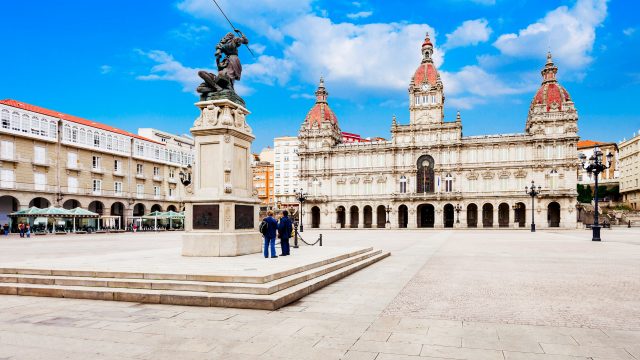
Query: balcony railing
[[42, 162], [140, 176], [172, 180], [97, 170], [157, 178], [118, 172], [10, 157], [73, 166], [27, 186]]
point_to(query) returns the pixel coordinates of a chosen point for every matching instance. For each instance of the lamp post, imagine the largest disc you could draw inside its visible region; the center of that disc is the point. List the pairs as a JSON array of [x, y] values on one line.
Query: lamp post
[[458, 208], [388, 211], [594, 167], [301, 198], [533, 193]]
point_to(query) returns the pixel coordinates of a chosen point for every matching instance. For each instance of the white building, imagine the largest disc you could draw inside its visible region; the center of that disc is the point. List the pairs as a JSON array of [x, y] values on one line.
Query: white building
[[286, 170], [630, 171], [428, 168]]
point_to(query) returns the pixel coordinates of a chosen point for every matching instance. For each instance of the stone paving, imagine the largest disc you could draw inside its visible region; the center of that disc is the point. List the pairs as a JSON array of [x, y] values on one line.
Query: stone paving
[[441, 295]]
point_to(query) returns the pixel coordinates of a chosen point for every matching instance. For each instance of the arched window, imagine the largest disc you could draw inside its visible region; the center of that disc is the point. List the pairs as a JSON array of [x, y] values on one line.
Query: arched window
[[109, 142], [35, 126], [25, 123], [553, 179], [315, 183], [82, 137], [44, 127], [6, 119], [67, 132], [103, 140], [448, 183], [74, 134], [425, 174], [403, 184], [53, 129], [15, 121], [96, 139]]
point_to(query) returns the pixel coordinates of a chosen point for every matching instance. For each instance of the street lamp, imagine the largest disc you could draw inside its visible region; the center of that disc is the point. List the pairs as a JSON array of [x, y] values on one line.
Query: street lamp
[[458, 208], [185, 177], [595, 167], [533, 193], [388, 211], [301, 198]]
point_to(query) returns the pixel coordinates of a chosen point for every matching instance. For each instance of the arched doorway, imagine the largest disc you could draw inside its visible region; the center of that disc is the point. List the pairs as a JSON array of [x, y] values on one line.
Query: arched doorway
[[472, 215], [117, 209], [172, 208], [40, 203], [426, 216], [315, 217], [156, 207], [448, 216], [368, 216], [341, 216], [381, 217], [553, 214], [138, 209], [425, 174], [96, 207], [403, 216], [71, 204], [503, 215], [520, 214], [354, 214], [8, 205], [487, 215]]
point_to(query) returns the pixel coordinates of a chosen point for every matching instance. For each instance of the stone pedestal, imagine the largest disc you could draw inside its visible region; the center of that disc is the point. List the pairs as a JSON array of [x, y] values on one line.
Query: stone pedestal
[[221, 207]]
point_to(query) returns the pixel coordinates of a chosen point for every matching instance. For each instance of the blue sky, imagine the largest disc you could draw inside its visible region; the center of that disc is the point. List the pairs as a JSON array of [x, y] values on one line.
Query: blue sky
[[133, 63]]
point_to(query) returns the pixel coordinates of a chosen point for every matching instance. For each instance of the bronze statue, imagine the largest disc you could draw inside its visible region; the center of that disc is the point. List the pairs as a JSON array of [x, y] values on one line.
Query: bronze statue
[[229, 70]]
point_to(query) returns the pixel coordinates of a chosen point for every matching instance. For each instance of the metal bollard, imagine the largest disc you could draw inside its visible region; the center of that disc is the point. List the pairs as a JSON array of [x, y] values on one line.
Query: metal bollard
[[295, 239], [320, 239], [629, 225]]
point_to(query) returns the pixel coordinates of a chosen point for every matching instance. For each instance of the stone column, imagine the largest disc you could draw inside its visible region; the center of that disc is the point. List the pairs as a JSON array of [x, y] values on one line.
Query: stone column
[[412, 218], [496, 222], [361, 214], [221, 206], [438, 214]]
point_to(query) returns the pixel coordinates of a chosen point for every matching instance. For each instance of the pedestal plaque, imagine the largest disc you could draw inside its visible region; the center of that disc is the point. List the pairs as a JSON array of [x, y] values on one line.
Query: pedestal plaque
[[221, 208]]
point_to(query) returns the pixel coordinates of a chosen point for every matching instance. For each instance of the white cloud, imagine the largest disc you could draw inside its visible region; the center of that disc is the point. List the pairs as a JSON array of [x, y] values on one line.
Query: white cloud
[[268, 70], [190, 32], [105, 69], [262, 16], [474, 80], [471, 32], [568, 32], [465, 102], [372, 56], [360, 15], [629, 31], [169, 69]]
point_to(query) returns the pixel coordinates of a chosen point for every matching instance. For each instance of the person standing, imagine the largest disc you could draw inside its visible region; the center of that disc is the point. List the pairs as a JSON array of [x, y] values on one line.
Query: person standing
[[21, 229], [284, 231], [6, 229], [268, 229], [28, 230]]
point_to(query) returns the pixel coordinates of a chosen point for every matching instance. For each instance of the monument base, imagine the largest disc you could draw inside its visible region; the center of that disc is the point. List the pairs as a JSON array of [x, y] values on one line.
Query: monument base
[[221, 244]]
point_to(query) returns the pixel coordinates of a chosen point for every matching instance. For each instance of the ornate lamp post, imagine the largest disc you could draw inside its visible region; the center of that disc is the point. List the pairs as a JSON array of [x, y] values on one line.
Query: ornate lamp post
[[594, 167], [388, 211], [458, 208], [185, 177], [301, 198], [533, 193]]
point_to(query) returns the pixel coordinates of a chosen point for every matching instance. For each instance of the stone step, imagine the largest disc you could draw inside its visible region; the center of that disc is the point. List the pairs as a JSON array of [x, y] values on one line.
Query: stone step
[[193, 298], [183, 277], [177, 285]]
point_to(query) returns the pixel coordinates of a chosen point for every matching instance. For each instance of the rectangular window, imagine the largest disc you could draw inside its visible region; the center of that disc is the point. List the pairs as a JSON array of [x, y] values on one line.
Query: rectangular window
[[156, 171], [39, 155], [172, 173], [96, 162], [140, 189], [117, 165], [7, 178], [39, 181], [6, 119], [156, 191], [117, 188], [72, 185], [6, 150], [139, 169], [96, 186], [72, 160], [171, 192], [96, 140]]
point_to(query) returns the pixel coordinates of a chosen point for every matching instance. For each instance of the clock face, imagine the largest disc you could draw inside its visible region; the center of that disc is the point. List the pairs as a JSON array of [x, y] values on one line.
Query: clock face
[[425, 87]]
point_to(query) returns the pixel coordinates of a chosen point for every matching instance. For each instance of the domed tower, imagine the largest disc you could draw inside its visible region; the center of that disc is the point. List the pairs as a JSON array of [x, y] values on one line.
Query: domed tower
[[552, 111], [426, 93], [320, 127]]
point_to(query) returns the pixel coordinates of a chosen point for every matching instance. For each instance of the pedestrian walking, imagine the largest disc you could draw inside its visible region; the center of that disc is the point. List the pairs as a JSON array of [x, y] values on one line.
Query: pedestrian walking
[[284, 233], [28, 230], [268, 228], [21, 229], [5, 229]]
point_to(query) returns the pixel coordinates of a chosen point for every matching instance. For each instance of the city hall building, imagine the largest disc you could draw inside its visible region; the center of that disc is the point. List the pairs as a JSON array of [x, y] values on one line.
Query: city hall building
[[428, 175]]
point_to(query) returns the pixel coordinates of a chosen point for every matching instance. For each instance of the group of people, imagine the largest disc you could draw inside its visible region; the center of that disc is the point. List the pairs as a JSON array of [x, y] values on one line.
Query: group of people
[[270, 228], [23, 229]]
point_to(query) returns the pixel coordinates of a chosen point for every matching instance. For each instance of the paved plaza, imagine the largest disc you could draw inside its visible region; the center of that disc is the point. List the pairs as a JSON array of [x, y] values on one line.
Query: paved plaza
[[499, 294]]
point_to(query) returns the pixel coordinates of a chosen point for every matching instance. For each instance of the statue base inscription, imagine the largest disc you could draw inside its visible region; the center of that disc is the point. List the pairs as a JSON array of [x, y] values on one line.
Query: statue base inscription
[[221, 207]]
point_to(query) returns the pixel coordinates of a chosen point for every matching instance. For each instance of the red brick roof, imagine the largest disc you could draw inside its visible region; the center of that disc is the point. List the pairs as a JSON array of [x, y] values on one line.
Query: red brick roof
[[588, 143], [426, 71], [75, 119]]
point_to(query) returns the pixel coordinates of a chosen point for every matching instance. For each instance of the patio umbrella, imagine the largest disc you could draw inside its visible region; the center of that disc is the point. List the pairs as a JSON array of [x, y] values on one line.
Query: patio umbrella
[[81, 213]]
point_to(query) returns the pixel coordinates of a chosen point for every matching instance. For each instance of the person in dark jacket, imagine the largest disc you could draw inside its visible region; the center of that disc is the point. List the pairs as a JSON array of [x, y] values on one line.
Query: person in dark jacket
[[284, 232], [270, 235]]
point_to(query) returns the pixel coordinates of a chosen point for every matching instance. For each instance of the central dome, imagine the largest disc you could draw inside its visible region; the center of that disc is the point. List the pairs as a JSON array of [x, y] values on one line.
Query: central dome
[[426, 71], [551, 96], [321, 112]]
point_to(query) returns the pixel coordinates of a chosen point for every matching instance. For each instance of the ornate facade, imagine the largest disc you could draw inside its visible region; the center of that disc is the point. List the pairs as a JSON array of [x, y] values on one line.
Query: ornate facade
[[430, 175]]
